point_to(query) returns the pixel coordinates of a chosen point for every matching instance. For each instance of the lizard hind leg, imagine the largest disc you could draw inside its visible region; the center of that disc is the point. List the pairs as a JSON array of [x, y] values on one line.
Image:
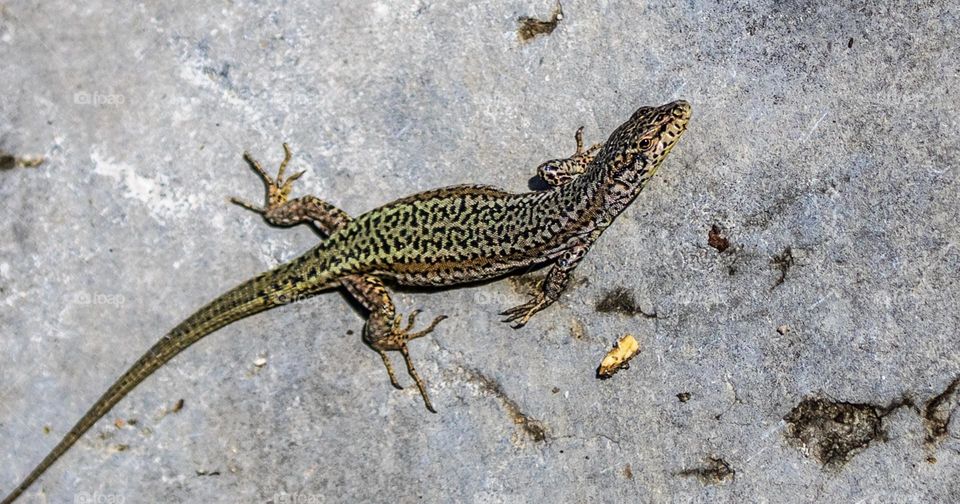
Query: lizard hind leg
[[383, 331]]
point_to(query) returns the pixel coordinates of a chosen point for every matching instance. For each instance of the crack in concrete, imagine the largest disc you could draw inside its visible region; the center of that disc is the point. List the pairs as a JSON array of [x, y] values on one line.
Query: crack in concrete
[[533, 427], [783, 262], [938, 411], [714, 471]]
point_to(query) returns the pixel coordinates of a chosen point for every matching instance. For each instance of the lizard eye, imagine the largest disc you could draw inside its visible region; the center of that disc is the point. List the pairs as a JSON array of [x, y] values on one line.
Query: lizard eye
[[644, 143]]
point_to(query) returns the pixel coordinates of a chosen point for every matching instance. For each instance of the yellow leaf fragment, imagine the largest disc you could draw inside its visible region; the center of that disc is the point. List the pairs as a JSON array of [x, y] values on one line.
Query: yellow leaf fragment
[[618, 357]]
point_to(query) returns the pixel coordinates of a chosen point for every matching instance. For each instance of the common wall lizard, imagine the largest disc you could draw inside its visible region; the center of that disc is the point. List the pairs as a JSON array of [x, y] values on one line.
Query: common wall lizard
[[441, 237]]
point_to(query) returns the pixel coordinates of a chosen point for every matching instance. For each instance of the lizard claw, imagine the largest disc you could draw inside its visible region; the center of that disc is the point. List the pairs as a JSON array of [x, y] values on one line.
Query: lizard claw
[[397, 340], [278, 188], [521, 314]]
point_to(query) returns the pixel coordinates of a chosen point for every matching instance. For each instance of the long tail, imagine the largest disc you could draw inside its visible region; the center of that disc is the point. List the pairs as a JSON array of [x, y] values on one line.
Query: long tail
[[270, 289]]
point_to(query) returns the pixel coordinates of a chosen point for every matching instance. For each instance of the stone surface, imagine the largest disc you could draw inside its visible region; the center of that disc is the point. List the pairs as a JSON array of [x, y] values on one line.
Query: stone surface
[[824, 147]]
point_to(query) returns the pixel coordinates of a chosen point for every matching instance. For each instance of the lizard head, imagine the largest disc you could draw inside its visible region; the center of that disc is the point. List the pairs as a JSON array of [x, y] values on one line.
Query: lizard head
[[635, 150]]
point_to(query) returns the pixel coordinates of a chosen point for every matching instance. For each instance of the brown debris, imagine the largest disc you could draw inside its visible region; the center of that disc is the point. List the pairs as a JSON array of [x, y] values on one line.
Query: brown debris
[[621, 300], [714, 472], [577, 330], [832, 432], [9, 161], [531, 27], [531, 426], [717, 239]]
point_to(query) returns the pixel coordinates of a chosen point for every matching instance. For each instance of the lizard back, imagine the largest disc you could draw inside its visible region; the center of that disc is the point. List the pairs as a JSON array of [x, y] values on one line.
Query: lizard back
[[452, 235]]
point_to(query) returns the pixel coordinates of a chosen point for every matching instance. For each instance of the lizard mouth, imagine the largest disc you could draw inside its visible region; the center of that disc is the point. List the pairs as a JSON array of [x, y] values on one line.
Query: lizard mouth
[[680, 109], [677, 115], [679, 112]]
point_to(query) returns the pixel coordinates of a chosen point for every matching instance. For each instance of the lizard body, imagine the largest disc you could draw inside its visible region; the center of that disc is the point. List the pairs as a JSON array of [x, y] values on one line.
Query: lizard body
[[441, 237]]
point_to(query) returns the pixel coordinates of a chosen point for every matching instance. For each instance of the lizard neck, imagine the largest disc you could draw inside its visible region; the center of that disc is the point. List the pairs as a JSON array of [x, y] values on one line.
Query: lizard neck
[[604, 191]]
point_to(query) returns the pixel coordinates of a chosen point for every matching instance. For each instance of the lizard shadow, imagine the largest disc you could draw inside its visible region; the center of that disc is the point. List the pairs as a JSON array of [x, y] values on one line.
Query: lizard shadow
[[537, 184], [411, 289]]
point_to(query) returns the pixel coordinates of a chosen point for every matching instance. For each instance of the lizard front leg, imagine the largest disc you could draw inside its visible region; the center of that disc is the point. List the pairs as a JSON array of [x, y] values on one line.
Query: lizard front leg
[[558, 172], [382, 330], [278, 211], [550, 288]]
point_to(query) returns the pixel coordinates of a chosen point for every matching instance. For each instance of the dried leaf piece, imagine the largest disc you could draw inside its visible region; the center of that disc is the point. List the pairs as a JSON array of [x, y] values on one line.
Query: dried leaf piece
[[9, 161], [618, 357]]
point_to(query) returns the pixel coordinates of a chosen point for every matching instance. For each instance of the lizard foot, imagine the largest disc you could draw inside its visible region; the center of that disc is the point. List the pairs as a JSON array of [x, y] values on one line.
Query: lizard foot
[[591, 152], [278, 189], [397, 340], [558, 172], [521, 314]]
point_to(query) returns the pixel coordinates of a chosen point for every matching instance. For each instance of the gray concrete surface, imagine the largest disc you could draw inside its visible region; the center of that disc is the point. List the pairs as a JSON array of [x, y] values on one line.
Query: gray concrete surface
[[824, 146]]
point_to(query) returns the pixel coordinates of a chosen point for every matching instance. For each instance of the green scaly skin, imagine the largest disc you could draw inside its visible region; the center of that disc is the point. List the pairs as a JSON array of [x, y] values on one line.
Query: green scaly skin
[[442, 237]]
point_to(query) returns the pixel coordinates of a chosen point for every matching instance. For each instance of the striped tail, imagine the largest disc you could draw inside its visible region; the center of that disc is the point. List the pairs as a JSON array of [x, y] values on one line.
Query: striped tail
[[270, 289]]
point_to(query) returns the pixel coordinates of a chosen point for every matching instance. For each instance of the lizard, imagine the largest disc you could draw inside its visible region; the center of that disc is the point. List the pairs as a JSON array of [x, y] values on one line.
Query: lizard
[[440, 237]]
